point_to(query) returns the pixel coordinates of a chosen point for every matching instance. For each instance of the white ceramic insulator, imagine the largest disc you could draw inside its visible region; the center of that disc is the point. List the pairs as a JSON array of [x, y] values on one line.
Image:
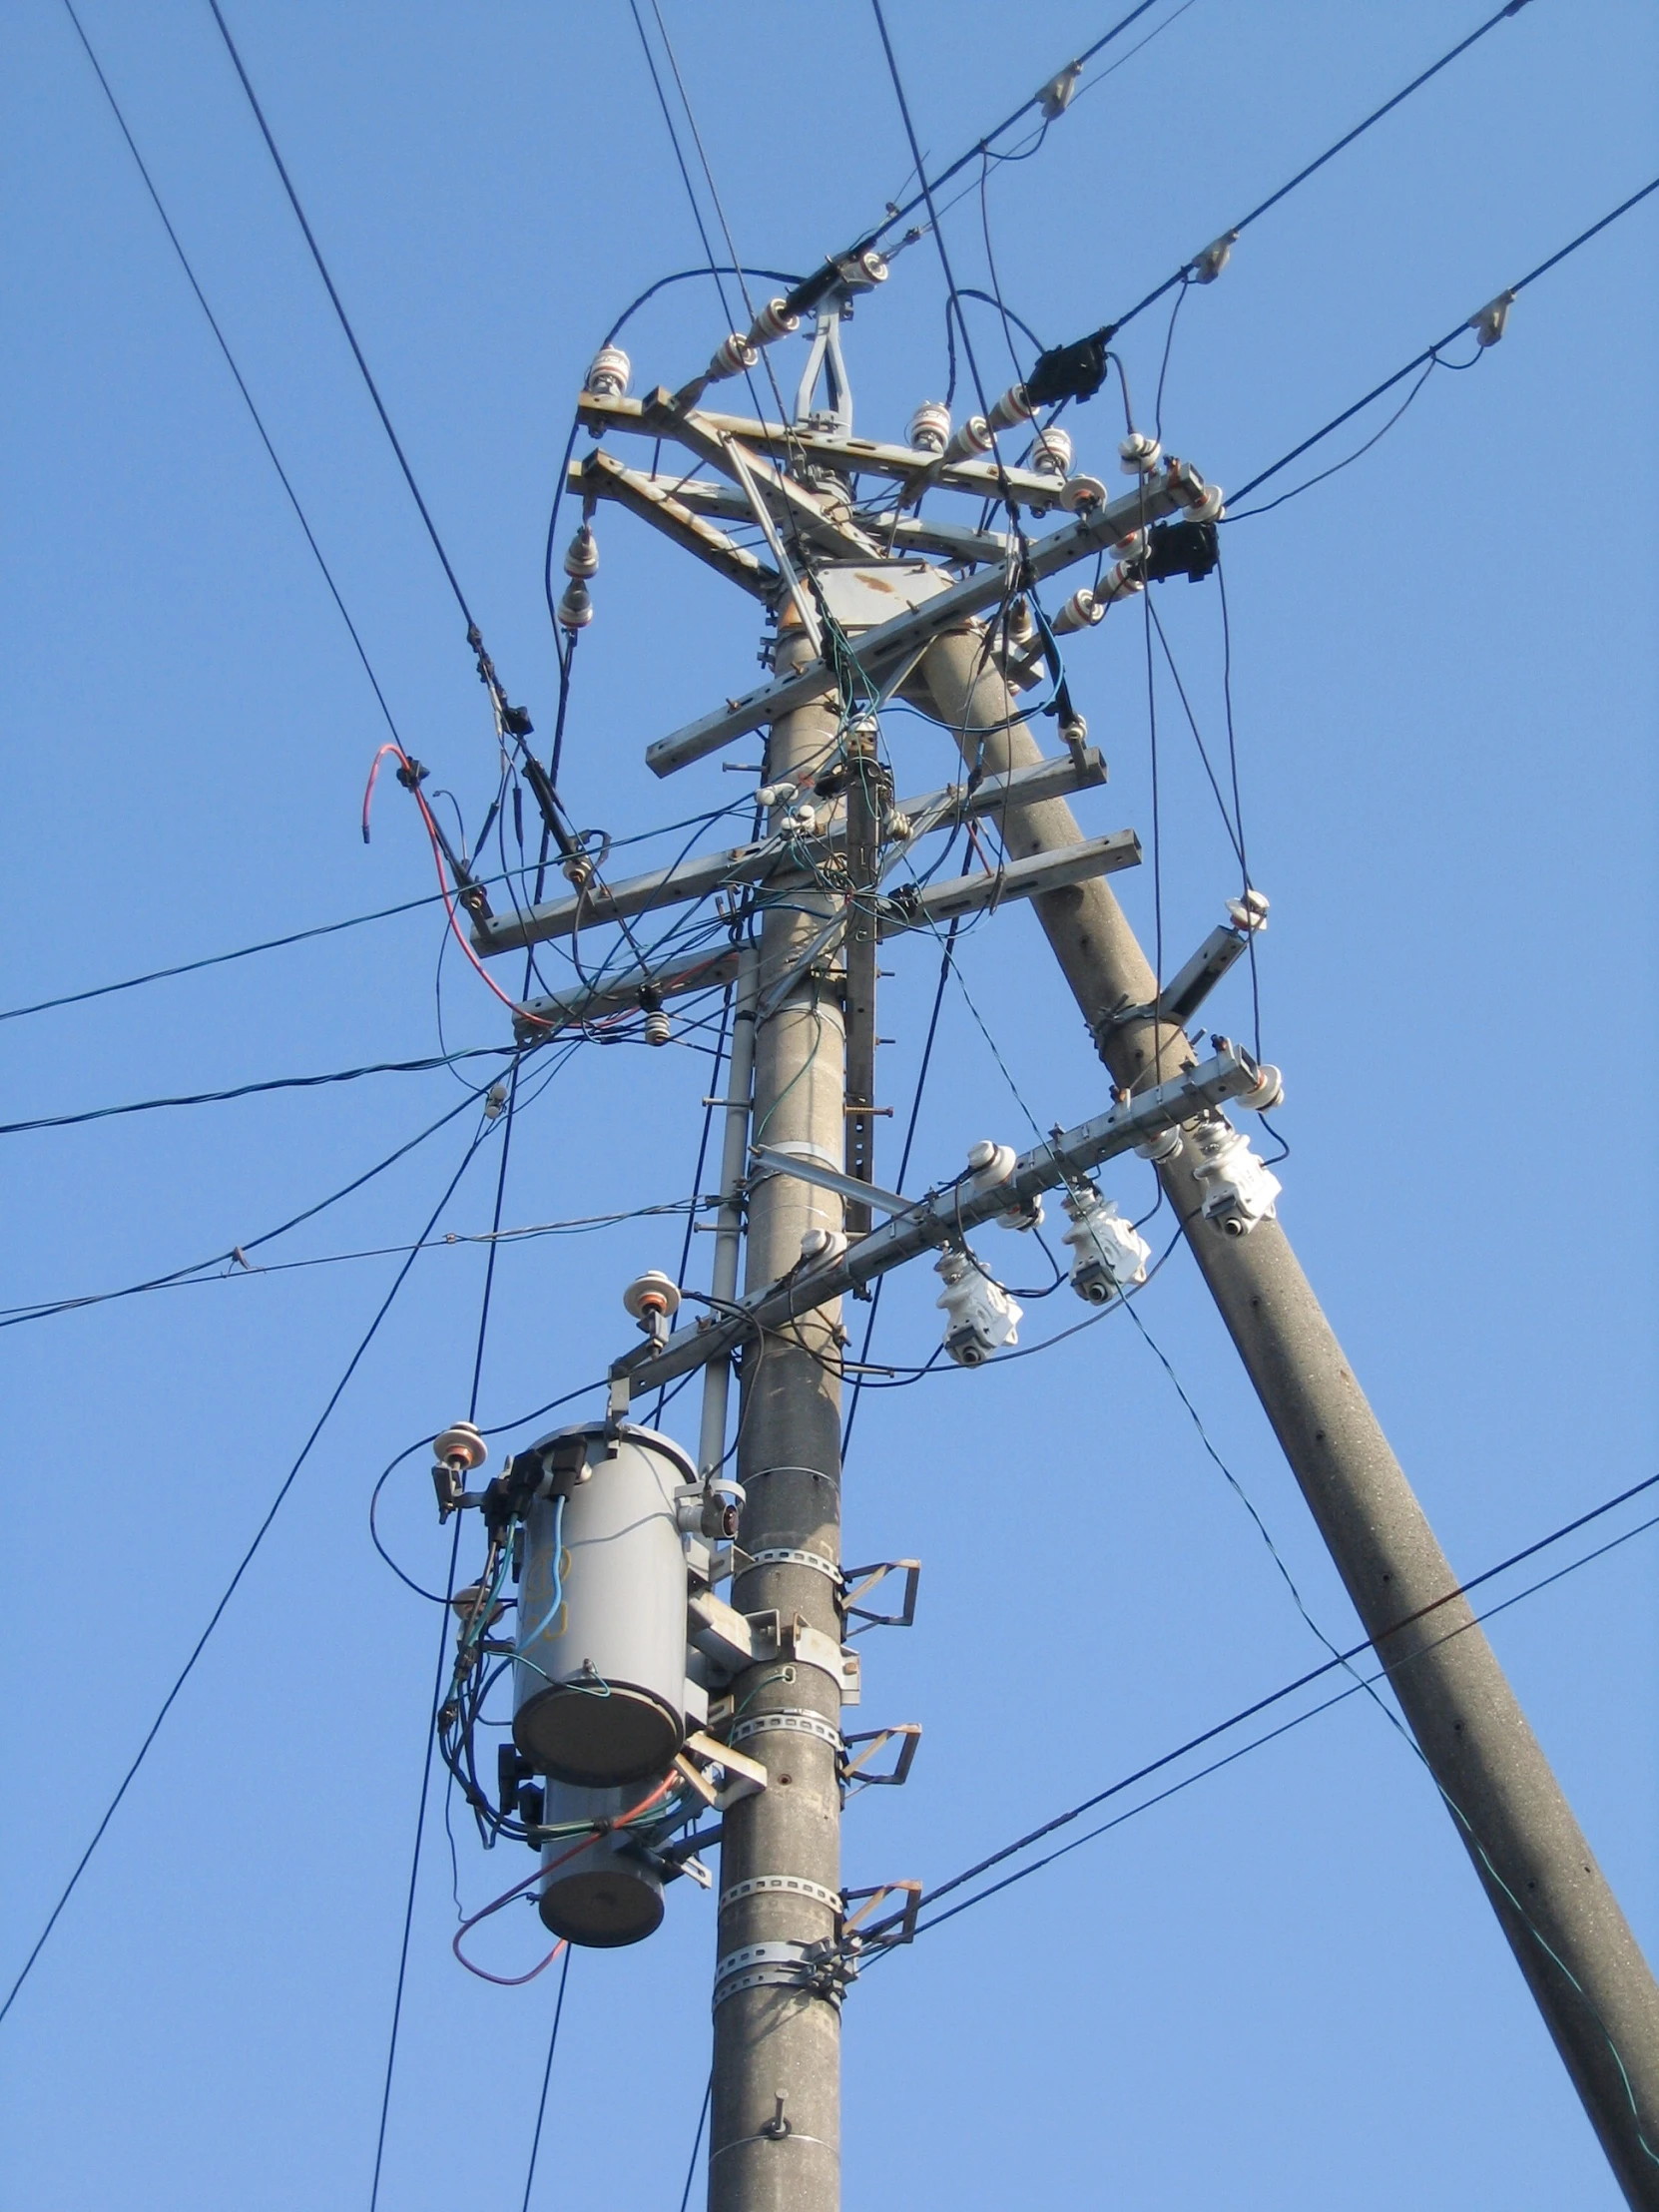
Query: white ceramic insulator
[[1209, 507], [1014, 407], [1118, 583], [1080, 612], [576, 607], [1108, 1254], [582, 553], [658, 1027], [1138, 455], [773, 321], [1052, 453], [608, 377], [732, 356], [1080, 493], [929, 430], [972, 439]]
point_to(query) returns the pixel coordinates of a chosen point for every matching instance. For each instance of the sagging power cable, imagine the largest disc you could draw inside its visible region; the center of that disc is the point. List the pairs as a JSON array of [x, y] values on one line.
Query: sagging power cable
[[241, 382], [1077, 370], [1487, 327], [230, 1588]]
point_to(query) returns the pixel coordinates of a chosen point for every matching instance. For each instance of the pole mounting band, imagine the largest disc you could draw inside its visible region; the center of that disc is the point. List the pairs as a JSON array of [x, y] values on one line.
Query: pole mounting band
[[780, 1555], [816, 1968], [794, 1721], [781, 1884]]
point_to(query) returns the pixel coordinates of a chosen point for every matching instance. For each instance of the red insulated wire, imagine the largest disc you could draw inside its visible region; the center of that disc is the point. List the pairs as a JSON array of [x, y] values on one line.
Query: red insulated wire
[[461, 938], [514, 1981]]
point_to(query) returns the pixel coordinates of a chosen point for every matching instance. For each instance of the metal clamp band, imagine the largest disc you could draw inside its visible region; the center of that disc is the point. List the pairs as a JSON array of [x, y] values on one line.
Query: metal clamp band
[[792, 1721], [780, 1885], [813, 1967], [781, 1557]]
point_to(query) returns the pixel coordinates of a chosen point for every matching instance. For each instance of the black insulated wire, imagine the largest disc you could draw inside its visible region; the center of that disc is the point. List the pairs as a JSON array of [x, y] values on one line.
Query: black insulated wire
[[242, 386]]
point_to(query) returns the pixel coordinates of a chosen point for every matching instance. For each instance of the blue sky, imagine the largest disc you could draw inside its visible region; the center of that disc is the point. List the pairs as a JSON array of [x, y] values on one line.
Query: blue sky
[[1280, 1988]]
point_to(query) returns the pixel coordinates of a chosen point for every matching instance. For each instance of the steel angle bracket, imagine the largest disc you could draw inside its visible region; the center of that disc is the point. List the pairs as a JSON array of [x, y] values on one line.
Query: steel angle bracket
[[742, 1776], [907, 1734], [859, 1582], [884, 1935], [730, 1641]]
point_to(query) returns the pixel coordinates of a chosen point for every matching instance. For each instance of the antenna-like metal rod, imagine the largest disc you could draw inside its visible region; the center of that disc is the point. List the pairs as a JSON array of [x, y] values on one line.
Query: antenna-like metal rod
[[1563, 1922]]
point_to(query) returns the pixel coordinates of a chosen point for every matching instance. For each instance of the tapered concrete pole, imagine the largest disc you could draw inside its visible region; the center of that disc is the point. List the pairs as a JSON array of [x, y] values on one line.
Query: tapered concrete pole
[[1570, 1940], [775, 2134]]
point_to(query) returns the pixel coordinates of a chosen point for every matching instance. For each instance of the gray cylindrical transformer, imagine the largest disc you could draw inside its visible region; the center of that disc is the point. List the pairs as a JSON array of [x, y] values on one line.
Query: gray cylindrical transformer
[[600, 1678], [601, 1892]]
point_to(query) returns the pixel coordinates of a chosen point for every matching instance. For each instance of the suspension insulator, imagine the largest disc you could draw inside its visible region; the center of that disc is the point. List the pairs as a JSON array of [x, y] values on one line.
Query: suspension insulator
[[576, 607], [773, 321], [582, 553], [1013, 407], [732, 356], [972, 439]]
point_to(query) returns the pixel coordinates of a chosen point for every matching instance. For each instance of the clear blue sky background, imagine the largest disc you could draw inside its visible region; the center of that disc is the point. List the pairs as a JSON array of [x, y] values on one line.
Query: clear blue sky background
[[1281, 1987]]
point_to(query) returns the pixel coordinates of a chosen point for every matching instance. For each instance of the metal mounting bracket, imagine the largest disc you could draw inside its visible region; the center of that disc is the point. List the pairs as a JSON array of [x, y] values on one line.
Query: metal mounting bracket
[[745, 1776], [858, 1582], [907, 1734], [897, 1927]]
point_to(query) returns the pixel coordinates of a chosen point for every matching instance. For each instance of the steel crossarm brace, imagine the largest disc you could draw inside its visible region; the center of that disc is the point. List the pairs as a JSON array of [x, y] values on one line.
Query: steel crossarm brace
[[769, 862], [889, 642], [707, 436], [946, 1216], [955, 541], [656, 500], [539, 1020], [1044, 872], [903, 463]]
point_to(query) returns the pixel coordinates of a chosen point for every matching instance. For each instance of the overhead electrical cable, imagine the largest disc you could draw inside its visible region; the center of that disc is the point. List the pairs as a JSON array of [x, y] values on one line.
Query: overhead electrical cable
[[984, 146], [254, 1090], [1077, 370], [339, 310], [237, 1254], [1430, 355], [1362, 1684], [248, 396], [1302, 1681], [443, 1653], [546, 2077], [230, 1588]]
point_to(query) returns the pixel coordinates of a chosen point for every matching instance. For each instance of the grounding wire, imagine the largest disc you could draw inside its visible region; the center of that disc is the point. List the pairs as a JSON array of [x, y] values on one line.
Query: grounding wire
[[1429, 354], [339, 310], [231, 1586], [253, 1090], [242, 386]]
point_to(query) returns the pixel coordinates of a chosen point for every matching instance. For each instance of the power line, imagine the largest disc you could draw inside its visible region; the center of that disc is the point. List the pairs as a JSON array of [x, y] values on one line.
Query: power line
[[444, 1650], [180, 1276], [1077, 370], [547, 2076], [1366, 1683], [340, 309], [1289, 1689], [231, 1586], [1430, 353], [254, 1090], [242, 386]]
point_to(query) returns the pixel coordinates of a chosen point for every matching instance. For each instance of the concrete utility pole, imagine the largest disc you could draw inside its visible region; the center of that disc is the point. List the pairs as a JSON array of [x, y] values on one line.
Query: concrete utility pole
[[774, 2125], [1570, 1940]]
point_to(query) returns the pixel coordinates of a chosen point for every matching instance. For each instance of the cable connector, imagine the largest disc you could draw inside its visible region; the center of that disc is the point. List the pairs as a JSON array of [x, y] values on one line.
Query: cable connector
[[1239, 1191], [1490, 324], [980, 1317]]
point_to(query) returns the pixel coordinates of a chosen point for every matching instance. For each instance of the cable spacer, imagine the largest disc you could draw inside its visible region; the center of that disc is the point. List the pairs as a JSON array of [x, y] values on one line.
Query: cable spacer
[[781, 1884], [792, 1721]]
